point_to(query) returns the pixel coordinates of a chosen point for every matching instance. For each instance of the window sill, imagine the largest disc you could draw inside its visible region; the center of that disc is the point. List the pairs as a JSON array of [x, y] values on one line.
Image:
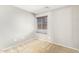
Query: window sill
[[42, 31]]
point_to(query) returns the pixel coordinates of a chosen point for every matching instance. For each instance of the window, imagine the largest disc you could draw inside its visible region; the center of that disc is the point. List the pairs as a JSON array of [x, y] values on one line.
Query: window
[[42, 23]]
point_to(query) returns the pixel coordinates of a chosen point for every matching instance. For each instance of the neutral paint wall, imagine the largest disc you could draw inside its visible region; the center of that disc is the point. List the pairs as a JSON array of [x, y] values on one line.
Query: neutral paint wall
[[15, 25], [75, 28], [51, 29], [63, 26]]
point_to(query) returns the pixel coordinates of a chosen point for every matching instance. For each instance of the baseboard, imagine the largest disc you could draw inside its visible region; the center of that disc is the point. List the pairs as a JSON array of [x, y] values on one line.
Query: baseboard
[[59, 44]]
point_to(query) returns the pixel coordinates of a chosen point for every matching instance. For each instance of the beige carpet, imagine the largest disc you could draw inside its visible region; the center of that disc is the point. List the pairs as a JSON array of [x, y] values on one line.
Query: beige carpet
[[39, 46]]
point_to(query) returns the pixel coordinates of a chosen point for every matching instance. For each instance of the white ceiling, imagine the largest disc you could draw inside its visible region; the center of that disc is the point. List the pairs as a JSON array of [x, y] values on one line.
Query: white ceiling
[[39, 8]]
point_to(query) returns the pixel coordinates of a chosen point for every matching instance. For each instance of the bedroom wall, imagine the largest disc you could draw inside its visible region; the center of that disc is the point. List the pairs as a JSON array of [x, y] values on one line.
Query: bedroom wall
[[75, 28], [61, 32], [63, 26], [15, 25]]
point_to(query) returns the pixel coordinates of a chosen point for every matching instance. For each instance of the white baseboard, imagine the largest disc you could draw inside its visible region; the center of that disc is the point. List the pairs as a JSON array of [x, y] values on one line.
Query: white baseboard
[[58, 44]]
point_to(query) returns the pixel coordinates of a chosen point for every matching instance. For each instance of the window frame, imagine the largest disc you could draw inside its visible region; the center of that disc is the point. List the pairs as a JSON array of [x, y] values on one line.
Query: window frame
[[42, 24]]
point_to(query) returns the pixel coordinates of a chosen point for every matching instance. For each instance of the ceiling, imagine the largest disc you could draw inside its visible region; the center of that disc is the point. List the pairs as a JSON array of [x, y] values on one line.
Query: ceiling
[[39, 8]]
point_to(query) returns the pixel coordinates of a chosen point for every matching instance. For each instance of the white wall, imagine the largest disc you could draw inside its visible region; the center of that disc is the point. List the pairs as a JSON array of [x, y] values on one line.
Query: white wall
[[62, 26], [75, 28], [15, 24], [51, 29]]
